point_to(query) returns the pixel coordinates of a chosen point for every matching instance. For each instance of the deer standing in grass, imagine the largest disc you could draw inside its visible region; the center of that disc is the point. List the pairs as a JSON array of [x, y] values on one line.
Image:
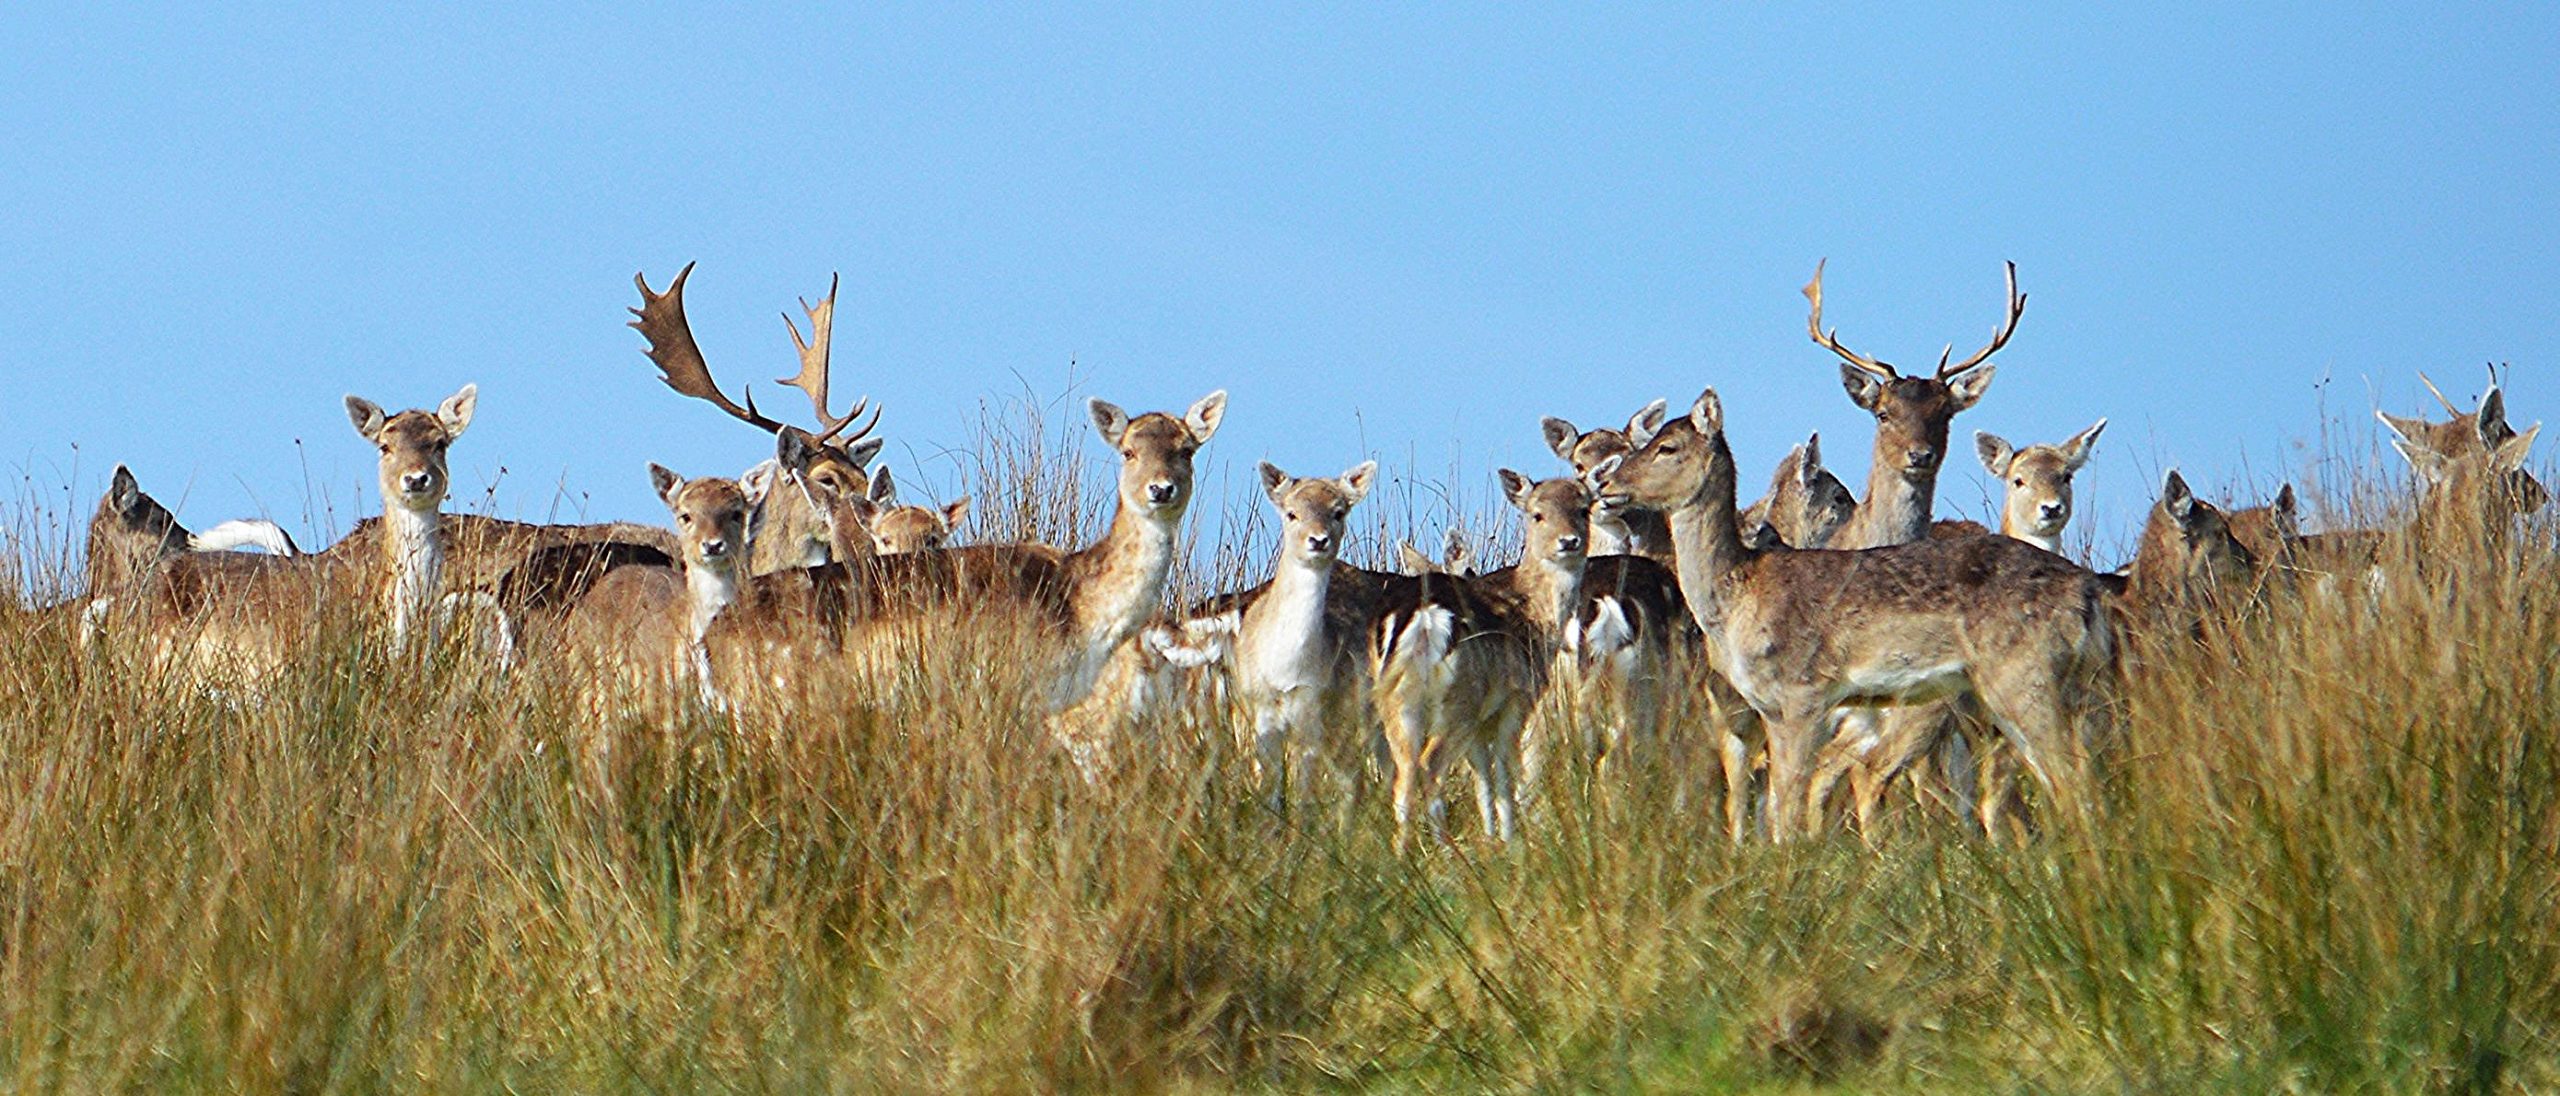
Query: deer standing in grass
[[644, 625], [1079, 606], [244, 618], [1459, 663], [1802, 633], [1294, 670], [131, 533], [806, 499]]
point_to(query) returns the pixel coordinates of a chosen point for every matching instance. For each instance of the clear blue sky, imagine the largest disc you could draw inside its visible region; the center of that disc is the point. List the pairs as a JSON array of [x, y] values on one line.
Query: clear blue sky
[[1441, 223]]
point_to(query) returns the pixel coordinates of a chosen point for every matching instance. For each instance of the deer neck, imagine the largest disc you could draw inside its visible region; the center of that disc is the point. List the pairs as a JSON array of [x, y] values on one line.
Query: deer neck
[[708, 590], [1283, 633], [2009, 528], [1895, 509], [1122, 576], [1550, 591], [413, 547], [1709, 548]]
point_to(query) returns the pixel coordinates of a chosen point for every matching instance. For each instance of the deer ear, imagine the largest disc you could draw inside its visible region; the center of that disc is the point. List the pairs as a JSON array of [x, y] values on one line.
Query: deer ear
[[1968, 389], [667, 483], [367, 415], [955, 512], [1707, 414], [1812, 456], [123, 494], [1600, 473], [1356, 482], [2176, 497], [2287, 511], [1995, 451], [455, 411], [2510, 454], [1274, 481], [1204, 416], [1516, 487], [1560, 435], [2076, 452], [795, 449], [863, 510], [2492, 417], [1411, 561], [883, 490], [1864, 389], [757, 482], [1108, 420], [861, 452], [1647, 422]]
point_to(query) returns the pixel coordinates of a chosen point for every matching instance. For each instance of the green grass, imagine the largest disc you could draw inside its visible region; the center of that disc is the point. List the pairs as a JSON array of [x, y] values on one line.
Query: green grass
[[2328, 866]]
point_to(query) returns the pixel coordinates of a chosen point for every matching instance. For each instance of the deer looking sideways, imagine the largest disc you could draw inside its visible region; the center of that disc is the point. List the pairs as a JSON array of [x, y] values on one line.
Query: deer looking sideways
[[1799, 633], [242, 618], [131, 533]]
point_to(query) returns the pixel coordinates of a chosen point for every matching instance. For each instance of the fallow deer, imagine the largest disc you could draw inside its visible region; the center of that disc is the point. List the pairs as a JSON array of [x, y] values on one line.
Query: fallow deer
[[896, 528], [799, 502], [644, 625], [1632, 532], [1801, 633], [1294, 671], [2036, 503], [227, 619], [1912, 414], [1080, 605], [1806, 505], [1460, 663], [131, 533], [1456, 557]]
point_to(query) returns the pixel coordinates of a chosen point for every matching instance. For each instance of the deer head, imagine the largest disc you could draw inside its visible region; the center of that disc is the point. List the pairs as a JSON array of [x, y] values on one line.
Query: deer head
[[413, 476], [129, 532], [2188, 550], [1156, 450], [1313, 511], [1806, 503], [896, 529], [807, 503], [1912, 413], [1556, 517], [710, 518], [2474, 458], [2036, 503]]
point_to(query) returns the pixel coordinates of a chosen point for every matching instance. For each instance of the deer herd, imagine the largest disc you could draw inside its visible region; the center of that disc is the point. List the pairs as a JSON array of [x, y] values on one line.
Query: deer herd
[[1772, 651]]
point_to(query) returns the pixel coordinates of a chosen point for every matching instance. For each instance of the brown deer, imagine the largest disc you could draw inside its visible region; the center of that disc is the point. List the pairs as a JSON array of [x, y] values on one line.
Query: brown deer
[[1081, 605], [1912, 414], [2036, 501], [1801, 633], [1459, 663], [801, 501], [1614, 533], [1806, 506], [130, 533], [644, 625], [896, 528], [244, 618]]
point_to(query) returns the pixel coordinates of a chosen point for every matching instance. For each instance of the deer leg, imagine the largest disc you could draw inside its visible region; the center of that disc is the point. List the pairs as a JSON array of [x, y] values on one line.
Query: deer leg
[[1793, 739]]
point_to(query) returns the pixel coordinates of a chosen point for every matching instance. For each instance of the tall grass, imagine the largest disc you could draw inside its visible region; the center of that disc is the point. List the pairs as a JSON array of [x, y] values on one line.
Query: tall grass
[[2328, 867]]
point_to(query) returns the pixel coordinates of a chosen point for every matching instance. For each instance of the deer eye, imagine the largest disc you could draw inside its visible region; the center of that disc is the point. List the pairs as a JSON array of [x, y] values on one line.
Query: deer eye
[[2018, 482], [1129, 454], [1291, 515]]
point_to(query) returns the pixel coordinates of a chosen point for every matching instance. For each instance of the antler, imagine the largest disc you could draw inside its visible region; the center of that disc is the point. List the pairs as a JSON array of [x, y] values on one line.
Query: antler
[[814, 367], [1830, 340], [671, 346], [2000, 338], [2449, 408]]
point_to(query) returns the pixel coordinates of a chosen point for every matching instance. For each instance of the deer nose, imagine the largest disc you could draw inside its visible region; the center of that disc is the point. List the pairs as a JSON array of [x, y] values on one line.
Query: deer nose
[[415, 482], [1568, 544], [715, 548], [1160, 492], [1319, 542], [2050, 511], [1920, 459]]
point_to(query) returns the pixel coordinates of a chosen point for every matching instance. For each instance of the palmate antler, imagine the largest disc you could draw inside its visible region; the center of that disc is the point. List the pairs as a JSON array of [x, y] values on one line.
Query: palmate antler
[[661, 320], [1830, 340]]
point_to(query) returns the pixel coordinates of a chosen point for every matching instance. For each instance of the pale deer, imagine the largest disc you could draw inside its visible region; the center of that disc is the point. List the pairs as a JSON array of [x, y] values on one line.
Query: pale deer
[[2036, 501], [1079, 606], [1456, 557], [1912, 414], [1294, 672], [896, 528], [1800, 633], [803, 498], [1460, 663], [226, 619]]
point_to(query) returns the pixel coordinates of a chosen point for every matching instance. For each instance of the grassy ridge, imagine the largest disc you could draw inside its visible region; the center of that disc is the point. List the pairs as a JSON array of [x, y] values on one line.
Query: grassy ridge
[[2328, 866]]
